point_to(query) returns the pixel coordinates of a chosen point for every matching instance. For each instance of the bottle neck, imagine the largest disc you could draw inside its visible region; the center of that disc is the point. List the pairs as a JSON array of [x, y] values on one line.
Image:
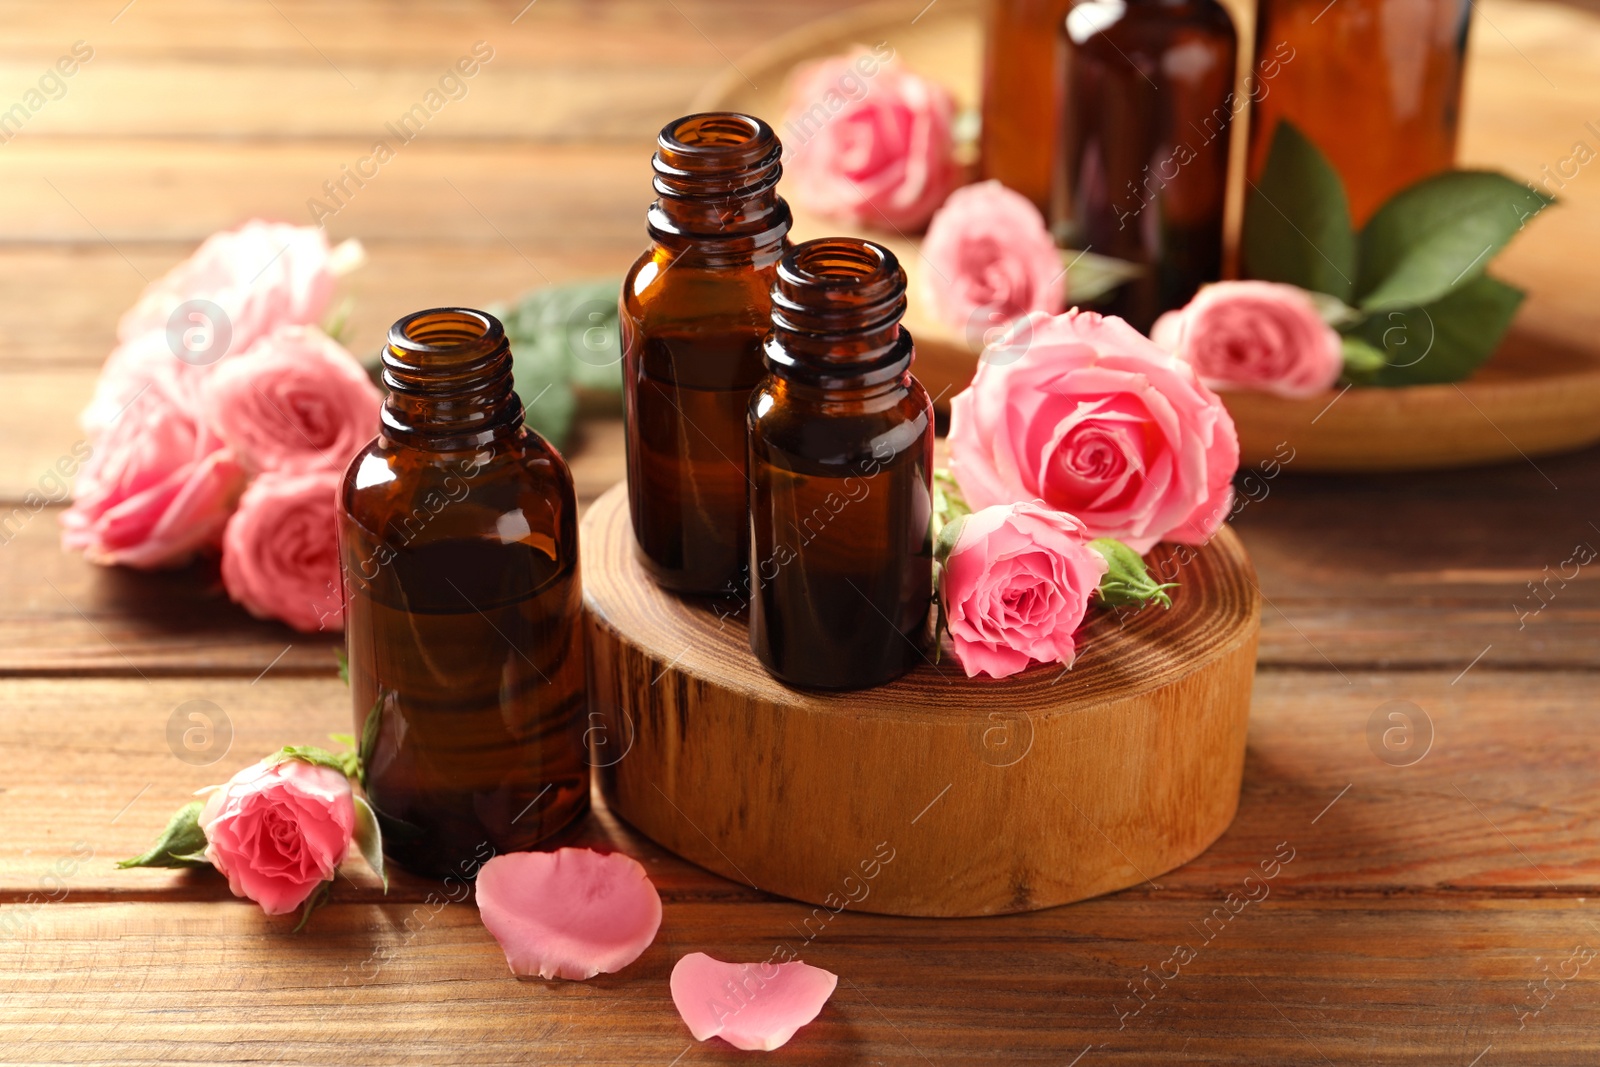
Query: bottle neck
[[448, 372], [836, 308], [716, 184]]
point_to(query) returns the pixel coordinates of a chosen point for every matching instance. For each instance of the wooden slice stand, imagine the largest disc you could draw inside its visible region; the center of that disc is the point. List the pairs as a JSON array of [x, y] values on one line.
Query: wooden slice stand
[[936, 795]]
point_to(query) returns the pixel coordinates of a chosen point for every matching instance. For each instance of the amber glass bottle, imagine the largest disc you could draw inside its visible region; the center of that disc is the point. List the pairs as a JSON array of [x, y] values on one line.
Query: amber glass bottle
[[1022, 95], [1144, 143], [1375, 84], [841, 456], [459, 542], [695, 308]]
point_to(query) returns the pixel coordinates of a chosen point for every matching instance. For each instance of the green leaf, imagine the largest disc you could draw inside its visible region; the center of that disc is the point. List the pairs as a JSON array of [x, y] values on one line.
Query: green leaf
[[181, 844], [1127, 583], [344, 665], [1297, 220], [1091, 276], [563, 336], [1446, 340], [369, 839], [347, 740], [1435, 236], [1362, 360], [346, 763]]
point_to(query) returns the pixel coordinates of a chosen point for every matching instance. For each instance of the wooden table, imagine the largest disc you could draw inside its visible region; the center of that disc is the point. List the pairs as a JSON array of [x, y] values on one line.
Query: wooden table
[[1422, 904]]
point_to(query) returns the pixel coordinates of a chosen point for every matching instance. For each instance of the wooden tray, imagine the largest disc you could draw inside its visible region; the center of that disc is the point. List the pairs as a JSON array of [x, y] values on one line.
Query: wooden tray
[[935, 795], [1539, 394]]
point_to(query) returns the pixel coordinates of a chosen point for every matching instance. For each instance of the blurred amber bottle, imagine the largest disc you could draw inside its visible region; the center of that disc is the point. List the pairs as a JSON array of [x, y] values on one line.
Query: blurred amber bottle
[[459, 542], [1375, 84], [694, 310], [1144, 143], [841, 461], [1022, 95]]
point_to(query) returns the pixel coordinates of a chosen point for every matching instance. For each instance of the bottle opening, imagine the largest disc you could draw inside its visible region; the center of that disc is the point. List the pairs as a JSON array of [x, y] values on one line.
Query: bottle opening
[[713, 130], [834, 261], [444, 331], [843, 274]]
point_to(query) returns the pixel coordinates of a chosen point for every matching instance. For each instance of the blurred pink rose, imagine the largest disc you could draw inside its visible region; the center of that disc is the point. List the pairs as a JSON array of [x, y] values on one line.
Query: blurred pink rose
[[1088, 415], [279, 830], [280, 555], [158, 486], [260, 275], [295, 401], [990, 259], [868, 142], [1254, 335], [238, 286], [1015, 587]]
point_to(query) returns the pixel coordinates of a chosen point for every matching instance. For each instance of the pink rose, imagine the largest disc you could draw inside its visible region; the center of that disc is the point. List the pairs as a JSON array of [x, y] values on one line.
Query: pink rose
[[295, 401], [157, 488], [260, 275], [238, 286], [279, 830], [990, 259], [868, 142], [1254, 335], [1015, 587], [1088, 415], [280, 555]]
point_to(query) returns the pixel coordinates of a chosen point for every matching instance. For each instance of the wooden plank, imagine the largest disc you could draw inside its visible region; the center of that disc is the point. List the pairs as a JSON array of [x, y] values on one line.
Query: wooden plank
[[1283, 982], [1503, 803], [111, 192]]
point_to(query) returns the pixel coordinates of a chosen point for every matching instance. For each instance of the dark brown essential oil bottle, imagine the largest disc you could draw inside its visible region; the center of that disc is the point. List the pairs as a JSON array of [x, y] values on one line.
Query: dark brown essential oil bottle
[[459, 542], [1144, 143], [694, 311], [841, 457]]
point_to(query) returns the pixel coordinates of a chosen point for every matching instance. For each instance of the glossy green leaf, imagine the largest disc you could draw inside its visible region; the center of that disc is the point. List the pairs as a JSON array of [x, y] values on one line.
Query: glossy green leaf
[[1297, 220], [1438, 235], [1444, 341]]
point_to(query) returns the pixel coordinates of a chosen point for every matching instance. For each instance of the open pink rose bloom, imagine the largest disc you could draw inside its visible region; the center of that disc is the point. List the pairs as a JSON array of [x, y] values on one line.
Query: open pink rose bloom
[[572, 913], [1254, 335], [990, 260], [279, 830], [748, 1005], [1087, 415]]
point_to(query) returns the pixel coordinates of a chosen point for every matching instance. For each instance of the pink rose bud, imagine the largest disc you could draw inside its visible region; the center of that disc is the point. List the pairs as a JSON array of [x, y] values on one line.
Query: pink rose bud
[[279, 830], [1254, 335], [990, 259], [295, 401], [280, 553], [1089, 416], [1015, 587], [867, 142], [158, 487]]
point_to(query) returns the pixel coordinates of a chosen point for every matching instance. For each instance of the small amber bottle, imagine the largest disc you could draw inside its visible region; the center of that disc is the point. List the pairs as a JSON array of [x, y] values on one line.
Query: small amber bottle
[[459, 543], [1144, 143], [1375, 84], [841, 456], [694, 310]]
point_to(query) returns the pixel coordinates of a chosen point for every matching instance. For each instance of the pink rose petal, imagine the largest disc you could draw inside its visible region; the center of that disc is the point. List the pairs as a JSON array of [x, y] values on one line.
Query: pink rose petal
[[748, 1005], [572, 913]]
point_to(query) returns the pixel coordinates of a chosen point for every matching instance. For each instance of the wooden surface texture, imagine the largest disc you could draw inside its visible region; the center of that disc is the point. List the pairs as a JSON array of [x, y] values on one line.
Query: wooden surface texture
[[1429, 909]]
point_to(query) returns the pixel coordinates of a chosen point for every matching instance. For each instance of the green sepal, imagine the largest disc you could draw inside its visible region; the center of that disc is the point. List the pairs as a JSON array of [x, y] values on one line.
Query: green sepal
[[344, 664], [369, 739], [945, 542], [181, 844], [318, 896], [347, 740], [1127, 582], [369, 839], [346, 763]]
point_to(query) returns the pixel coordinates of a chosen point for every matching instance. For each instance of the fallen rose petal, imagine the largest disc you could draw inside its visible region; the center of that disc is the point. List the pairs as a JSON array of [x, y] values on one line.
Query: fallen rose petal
[[748, 1005], [572, 913]]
